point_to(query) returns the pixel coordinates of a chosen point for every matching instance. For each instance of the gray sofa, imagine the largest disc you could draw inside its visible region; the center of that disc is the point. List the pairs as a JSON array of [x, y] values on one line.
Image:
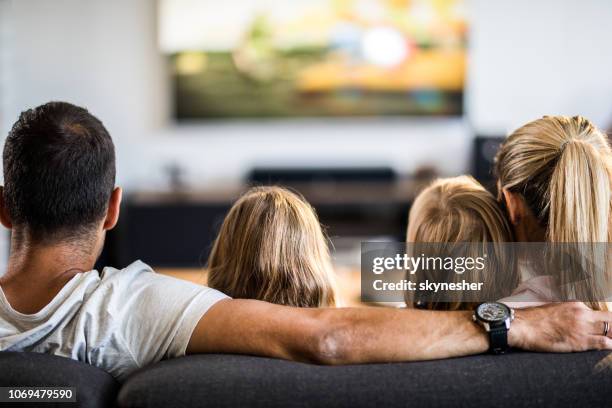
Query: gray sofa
[[95, 388], [515, 379]]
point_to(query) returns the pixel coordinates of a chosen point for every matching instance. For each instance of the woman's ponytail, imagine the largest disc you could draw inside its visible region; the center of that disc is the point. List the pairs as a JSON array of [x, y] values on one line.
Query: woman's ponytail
[[561, 166], [579, 195]]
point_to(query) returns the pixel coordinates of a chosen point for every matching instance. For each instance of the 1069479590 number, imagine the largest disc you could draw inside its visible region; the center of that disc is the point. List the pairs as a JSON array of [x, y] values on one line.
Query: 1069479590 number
[[38, 394]]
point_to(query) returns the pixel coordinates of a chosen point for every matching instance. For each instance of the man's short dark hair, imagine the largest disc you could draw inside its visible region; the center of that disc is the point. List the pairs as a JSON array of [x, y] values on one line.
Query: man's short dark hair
[[59, 171]]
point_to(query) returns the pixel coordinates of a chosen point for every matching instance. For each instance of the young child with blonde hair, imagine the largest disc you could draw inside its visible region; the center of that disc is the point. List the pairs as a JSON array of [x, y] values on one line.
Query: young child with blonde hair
[[458, 214], [271, 247]]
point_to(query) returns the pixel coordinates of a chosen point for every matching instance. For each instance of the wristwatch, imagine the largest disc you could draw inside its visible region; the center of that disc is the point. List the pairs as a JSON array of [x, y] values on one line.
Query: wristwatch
[[495, 318]]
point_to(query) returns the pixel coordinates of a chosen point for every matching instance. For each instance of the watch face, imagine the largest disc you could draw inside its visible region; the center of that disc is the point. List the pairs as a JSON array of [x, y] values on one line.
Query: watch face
[[493, 312]]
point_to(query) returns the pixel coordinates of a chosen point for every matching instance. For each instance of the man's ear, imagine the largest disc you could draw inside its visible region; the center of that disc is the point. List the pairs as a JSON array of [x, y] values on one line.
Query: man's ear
[[515, 205], [114, 206], [5, 219]]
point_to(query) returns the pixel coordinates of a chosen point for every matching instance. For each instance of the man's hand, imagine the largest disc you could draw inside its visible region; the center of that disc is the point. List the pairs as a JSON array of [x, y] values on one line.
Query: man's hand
[[561, 328]]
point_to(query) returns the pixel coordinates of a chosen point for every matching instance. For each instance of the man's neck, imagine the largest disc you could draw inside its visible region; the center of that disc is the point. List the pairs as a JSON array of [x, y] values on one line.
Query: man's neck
[[37, 272]]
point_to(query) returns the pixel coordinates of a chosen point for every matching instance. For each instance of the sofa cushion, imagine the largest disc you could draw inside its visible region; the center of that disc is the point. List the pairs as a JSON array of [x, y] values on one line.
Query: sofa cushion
[[94, 387], [515, 379]]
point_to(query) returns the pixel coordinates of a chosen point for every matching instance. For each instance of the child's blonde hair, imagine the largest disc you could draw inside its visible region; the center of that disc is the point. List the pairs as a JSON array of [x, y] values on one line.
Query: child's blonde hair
[[271, 247], [460, 210]]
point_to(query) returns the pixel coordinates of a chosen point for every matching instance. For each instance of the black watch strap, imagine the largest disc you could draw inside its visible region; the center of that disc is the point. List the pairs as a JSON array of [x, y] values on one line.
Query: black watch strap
[[498, 339]]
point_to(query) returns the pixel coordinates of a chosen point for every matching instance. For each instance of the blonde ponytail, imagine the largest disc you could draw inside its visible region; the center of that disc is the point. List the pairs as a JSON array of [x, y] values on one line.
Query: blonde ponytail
[[561, 166], [579, 195]]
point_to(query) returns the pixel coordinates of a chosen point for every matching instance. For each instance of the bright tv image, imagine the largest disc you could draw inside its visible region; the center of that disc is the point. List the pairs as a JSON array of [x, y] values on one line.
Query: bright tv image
[[314, 58]]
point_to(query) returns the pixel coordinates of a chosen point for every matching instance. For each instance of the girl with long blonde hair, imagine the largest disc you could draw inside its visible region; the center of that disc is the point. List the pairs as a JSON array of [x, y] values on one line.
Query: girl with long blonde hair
[[271, 247], [459, 217]]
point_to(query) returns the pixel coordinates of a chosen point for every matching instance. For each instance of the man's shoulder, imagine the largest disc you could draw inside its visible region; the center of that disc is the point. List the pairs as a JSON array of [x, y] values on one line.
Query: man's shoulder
[[126, 282], [138, 278], [133, 270], [136, 273]]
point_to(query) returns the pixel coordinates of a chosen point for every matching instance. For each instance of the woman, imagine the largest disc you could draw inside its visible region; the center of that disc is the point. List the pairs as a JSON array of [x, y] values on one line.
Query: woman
[[554, 180]]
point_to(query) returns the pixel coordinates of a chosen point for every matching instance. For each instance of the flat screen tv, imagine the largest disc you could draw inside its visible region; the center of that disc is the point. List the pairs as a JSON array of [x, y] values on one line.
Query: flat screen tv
[[314, 58]]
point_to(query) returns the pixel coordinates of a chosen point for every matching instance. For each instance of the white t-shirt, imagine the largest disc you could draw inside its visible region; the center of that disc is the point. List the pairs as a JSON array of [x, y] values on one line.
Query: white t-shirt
[[118, 320]]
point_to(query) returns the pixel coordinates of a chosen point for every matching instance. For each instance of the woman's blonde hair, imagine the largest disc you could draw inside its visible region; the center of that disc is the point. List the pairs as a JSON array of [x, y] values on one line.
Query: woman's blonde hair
[[561, 167], [271, 247], [461, 211]]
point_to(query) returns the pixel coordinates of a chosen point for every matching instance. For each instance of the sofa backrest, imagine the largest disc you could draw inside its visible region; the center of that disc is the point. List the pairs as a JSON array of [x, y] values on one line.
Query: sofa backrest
[[515, 379], [94, 388]]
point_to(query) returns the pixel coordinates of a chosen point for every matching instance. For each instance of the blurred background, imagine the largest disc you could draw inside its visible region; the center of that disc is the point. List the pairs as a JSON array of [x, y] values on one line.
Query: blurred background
[[354, 103]]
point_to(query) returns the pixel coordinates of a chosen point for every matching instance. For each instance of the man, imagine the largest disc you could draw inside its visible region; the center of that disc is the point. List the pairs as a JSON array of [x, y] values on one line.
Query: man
[[58, 200]]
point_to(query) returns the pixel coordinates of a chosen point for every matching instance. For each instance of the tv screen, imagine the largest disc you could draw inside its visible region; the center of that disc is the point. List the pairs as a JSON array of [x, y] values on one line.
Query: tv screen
[[304, 58]]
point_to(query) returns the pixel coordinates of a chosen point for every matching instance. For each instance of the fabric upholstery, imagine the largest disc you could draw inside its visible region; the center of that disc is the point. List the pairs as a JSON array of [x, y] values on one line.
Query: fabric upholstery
[[511, 380], [94, 387]]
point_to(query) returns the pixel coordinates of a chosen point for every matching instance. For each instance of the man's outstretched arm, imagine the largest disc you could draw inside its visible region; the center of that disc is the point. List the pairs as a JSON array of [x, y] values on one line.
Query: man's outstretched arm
[[364, 335]]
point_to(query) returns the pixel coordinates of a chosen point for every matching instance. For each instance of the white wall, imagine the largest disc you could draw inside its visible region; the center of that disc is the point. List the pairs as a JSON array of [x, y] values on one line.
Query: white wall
[[534, 58], [526, 59], [4, 35], [100, 54]]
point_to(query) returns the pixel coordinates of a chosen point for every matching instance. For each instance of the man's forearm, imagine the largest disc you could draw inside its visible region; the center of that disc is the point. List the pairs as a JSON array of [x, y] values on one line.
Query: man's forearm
[[364, 335], [383, 335], [374, 335], [336, 336]]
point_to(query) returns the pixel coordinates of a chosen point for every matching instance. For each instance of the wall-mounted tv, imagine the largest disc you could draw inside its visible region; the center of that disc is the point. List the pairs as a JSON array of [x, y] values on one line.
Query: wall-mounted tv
[[314, 58]]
